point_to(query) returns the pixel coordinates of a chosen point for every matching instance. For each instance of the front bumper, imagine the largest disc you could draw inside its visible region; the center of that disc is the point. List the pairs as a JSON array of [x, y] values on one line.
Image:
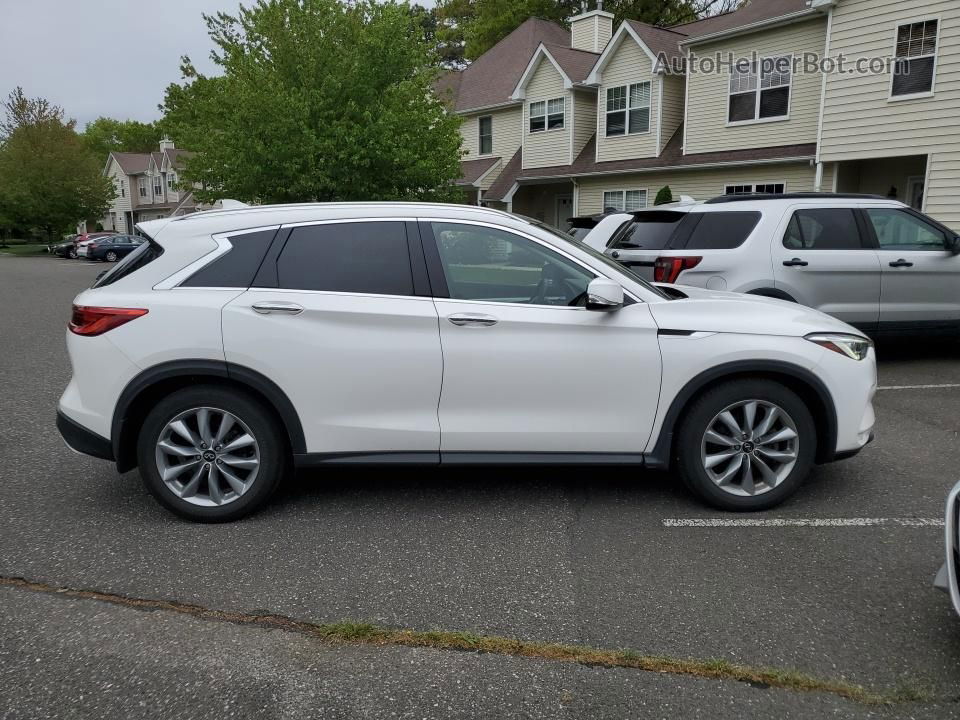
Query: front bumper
[[81, 440]]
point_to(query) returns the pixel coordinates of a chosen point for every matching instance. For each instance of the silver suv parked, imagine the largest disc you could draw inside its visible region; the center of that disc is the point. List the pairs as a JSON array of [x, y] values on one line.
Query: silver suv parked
[[871, 262]]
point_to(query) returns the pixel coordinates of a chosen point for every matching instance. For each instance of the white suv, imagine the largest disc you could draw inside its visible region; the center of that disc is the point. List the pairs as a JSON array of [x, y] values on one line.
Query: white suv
[[242, 342], [872, 262]]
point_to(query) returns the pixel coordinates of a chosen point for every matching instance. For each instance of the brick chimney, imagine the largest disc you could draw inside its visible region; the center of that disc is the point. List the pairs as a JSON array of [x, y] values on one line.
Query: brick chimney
[[591, 30]]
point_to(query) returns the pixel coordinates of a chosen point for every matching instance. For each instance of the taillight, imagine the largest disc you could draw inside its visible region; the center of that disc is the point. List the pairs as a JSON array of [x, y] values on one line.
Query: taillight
[[89, 320], [668, 269]]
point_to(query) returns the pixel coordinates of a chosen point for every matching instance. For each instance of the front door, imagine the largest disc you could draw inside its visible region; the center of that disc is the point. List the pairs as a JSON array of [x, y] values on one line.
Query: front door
[[921, 278], [821, 260], [347, 339], [526, 367], [564, 211]]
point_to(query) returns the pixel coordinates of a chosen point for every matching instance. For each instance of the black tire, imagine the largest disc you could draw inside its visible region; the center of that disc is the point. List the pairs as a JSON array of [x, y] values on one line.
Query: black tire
[[111, 256], [697, 420], [263, 425], [72, 253]]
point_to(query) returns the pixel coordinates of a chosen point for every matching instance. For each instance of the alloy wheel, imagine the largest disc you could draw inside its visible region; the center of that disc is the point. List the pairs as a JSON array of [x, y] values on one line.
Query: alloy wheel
[[111, 256], [750, 447], [207, 456]]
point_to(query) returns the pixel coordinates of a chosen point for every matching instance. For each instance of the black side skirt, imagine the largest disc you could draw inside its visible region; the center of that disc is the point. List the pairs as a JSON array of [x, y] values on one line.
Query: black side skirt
[[83, 440]]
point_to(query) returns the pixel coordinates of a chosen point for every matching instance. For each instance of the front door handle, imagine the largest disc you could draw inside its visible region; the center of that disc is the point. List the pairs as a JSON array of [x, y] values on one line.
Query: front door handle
[[795, 262], [267, 307], [901, 263], [472, 320]]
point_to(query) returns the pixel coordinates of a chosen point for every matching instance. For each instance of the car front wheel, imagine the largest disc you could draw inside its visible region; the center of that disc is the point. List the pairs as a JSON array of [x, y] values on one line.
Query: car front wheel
[[746, 445], [210, 454], [111, 256], [72, 253]]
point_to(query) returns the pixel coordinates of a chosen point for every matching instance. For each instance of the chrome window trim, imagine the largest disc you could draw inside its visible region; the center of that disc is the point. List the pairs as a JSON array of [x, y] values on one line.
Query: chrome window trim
[[223, 247]]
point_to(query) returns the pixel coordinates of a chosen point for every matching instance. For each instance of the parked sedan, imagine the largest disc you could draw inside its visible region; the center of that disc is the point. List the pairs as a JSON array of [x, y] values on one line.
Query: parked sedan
[[112, 248], [64, 249]]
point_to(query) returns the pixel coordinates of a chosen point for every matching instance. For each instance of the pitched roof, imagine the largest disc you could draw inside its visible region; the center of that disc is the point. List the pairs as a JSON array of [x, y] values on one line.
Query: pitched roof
[[447, 85], [473, 170], [671, 157], [507, 177], [132, 163], [491, 78], [577, 64], [176, 156], [752, 11], [660, 40]]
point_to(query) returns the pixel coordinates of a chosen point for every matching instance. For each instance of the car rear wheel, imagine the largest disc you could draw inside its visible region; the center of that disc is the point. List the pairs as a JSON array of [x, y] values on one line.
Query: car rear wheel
[[746, 445], [72, 253], [111, 256], [210, 454]]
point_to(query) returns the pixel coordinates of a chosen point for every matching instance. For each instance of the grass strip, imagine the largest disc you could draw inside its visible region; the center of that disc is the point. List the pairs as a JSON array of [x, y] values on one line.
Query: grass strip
[[358, 633]]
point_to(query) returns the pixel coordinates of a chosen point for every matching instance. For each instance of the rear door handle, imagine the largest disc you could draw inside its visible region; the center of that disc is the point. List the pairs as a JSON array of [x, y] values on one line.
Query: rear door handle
[[267, 307], [901, 263], [795, 262], [472, 320]]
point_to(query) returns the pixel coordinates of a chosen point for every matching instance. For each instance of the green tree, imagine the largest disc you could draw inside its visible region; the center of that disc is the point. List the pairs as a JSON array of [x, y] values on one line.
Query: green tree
[[664, 196], [105, 135], [317, 100], [48, 179], [478, 25]]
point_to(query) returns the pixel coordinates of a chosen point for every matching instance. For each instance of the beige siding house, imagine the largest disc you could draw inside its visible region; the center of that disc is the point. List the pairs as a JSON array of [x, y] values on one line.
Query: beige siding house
[[599, 117]]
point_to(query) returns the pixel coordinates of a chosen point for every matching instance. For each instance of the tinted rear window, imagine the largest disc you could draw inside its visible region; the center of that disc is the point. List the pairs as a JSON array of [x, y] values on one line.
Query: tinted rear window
[[139, 258], [650, 230], [238, 266], [361, 257], [722, 230], [823, 229]]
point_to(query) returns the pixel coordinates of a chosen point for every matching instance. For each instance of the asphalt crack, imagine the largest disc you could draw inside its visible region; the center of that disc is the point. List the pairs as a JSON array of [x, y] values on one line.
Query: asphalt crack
[[357, 633]]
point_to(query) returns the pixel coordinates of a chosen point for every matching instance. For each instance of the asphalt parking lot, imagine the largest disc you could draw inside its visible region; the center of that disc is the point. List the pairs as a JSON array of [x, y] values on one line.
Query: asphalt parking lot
[[598, 557]]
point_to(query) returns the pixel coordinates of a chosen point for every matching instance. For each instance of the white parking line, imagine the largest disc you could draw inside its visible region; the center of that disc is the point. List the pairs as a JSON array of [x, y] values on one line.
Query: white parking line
[[918, 387], [801, 522]]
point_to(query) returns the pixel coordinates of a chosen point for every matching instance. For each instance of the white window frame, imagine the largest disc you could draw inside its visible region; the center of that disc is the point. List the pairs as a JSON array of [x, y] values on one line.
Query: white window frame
[[546, 115], [480, 135], [157, 183], [758, 92], [623, 198], [627, 108], [753, 186], [171, 181], [142, 186], [936, 52]]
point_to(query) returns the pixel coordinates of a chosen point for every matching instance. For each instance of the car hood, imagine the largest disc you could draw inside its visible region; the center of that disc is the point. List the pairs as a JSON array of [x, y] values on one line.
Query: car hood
[[717, 311]]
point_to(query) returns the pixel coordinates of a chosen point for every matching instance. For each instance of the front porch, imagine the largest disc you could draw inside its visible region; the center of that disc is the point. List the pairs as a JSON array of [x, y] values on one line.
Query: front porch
[[899, 178], [549, 202]]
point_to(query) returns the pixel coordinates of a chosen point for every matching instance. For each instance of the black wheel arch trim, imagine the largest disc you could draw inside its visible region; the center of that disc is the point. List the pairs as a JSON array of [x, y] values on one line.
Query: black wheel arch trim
[[660, 455], [772, 293], [256, 381]]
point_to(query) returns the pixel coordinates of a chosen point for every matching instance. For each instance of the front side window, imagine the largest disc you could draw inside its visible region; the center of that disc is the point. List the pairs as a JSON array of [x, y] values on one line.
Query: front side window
[[628, 109], [916, 58], [766, 188], [547, 115], [486, 135], [760, 90], [356, 257], [624, 200], [900, 230], [482, 263], [823, 229]]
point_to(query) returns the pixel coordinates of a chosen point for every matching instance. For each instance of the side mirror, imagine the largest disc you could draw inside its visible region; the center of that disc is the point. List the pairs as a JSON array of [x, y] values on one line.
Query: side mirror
[[604, 294], [953, 245]]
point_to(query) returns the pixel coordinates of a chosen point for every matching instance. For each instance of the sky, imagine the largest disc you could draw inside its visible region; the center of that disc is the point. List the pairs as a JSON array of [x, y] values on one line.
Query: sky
[[103, 57]]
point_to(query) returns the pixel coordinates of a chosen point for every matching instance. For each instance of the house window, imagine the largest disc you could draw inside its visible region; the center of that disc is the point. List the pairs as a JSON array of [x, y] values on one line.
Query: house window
[[624, 200], [486, 135], [766, 188], [158, 186], [760, 96], [142, 185], [546, 115], [916, 58], [628, 109], [171, 181], [123, 189]]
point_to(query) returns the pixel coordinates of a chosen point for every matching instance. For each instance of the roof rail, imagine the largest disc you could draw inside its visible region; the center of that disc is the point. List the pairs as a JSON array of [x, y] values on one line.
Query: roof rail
[[792, 196]]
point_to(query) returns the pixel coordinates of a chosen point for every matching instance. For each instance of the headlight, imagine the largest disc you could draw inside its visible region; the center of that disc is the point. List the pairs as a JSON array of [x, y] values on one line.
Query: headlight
[[853, 346]]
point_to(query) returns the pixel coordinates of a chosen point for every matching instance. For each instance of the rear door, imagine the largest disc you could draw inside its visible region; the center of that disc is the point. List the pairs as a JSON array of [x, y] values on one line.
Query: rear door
[[341, 319], [920, 278], [823, 259]]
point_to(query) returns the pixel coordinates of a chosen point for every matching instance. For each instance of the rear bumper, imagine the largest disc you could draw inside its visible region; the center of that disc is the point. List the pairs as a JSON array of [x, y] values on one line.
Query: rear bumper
[[81, 440]]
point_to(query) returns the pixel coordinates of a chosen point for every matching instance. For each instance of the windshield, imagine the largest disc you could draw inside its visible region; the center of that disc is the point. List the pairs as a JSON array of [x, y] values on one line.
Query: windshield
[[599, 257]]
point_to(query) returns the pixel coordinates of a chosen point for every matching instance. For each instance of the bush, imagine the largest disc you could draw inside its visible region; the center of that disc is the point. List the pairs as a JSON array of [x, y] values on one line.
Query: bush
[[664, 196]]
